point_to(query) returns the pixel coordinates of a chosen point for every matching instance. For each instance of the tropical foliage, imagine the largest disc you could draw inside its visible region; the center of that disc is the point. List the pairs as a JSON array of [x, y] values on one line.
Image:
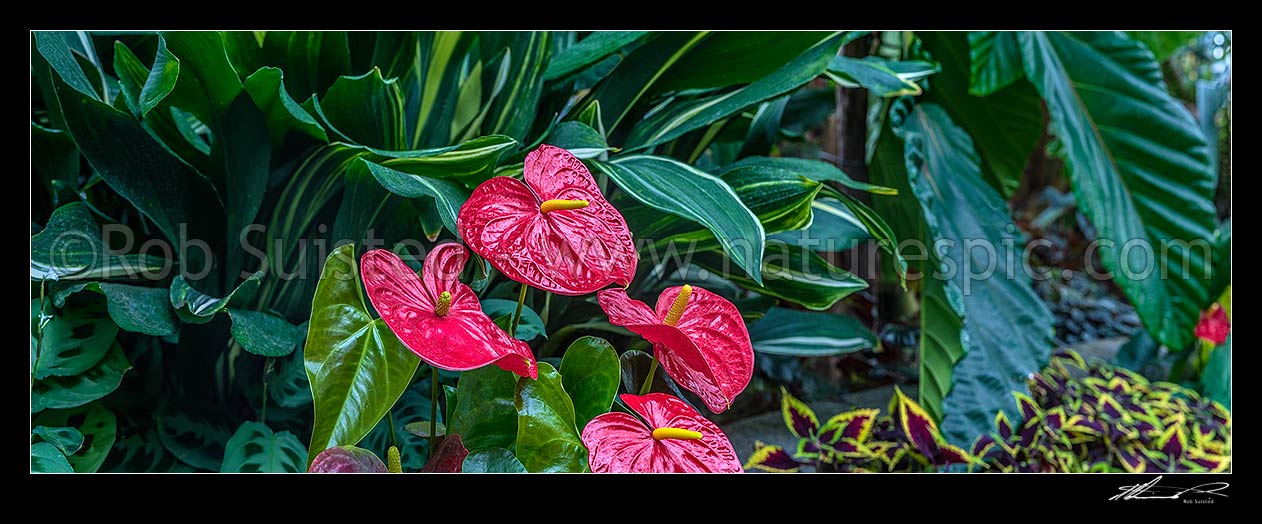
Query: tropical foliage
[[212, 214]]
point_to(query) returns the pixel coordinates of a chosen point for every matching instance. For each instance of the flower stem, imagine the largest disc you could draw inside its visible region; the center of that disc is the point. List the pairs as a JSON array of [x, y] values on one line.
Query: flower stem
[[390, 419], [433, 411], [521, 299], [648, 381]]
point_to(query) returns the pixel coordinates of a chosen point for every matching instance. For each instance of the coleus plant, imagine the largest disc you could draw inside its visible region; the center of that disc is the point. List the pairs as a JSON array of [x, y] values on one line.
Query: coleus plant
[[1096, 417], [860, 440]]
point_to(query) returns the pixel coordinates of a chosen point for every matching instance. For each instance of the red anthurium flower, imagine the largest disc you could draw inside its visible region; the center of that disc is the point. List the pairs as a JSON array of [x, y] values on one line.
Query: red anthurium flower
[[1214, 325], [555, 231], [698, 336], [676, 439], [438, 317]]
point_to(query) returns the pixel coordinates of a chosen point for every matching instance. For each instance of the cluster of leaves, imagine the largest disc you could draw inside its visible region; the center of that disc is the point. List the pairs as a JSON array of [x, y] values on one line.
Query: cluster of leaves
[[1083, 417], [860, 440]]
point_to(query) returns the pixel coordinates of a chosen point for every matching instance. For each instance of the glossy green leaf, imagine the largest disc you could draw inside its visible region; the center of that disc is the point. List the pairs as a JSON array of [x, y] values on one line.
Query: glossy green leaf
[[1006, 326], [798, 275], [514, 110], [485, 416], [448, 196], [264, 334], [207, 84], [46, 458], [941, 325], [74, 340], [530, 325], [995, 61], [1140, 170], [72, 247], [98, 427], [727, 58], [590, 374], [631, 80], [492, 460], [195, 436], [164, 189], [67, 440], [881, 77], [161, 122], [470, 163], [670, 186], [254, 448], [365, 110], [240, 157], [159, 83], [1005, 125], [267, 89], [588, 51], [137, 309], [77, 390], [673, 122], [314, 59], [547, 437], [195, 307], [1165, 43], [1216, 378], [356, 366], [791, 332], [436, 67], [833, 228], [579, 139]]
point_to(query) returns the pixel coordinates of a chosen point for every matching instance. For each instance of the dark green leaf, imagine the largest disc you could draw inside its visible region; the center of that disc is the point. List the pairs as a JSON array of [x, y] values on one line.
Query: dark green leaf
[[67, 440], [448, 196], [1140, 171], [254, 448], [791, 332], [56, 159], [547, 438], [98, 427], [162, 78], [590, 374], [995, 58], [1007, 327], [53, 46], [46, 458], [727, 58], [162, 123], [514, 111], [1005, 125], [673, 122], [195, 307], [798, 275], [240, 158], [941, 325], [264, 334], [588, 51], [580, 139], [162, 187], [137, 309], [470, 163], [288, 384], [492, 460], [670, 186], [195, 436], [267, 89], [207, 83], [834, 228], [634, 76], [356, 366], [881, 77], [72, 247], [74, 340], [366, 110], [485, 416], [77, 390], [313, 59]]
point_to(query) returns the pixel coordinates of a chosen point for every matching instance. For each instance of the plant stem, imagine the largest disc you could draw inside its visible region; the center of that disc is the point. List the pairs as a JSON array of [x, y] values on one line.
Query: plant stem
[[521, 299], [390, 419], [547, 308], [433, 411], [648, 381]]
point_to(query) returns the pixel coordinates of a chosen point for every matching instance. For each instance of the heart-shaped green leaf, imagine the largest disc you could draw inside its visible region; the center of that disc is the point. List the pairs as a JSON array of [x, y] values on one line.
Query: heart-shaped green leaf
[[590, 374], [356, 366], [484, 414], [492, 460], [547, 438]]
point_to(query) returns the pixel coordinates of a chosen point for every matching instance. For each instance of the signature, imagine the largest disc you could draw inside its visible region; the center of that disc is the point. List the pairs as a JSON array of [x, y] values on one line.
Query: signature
[[1151, 490]]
